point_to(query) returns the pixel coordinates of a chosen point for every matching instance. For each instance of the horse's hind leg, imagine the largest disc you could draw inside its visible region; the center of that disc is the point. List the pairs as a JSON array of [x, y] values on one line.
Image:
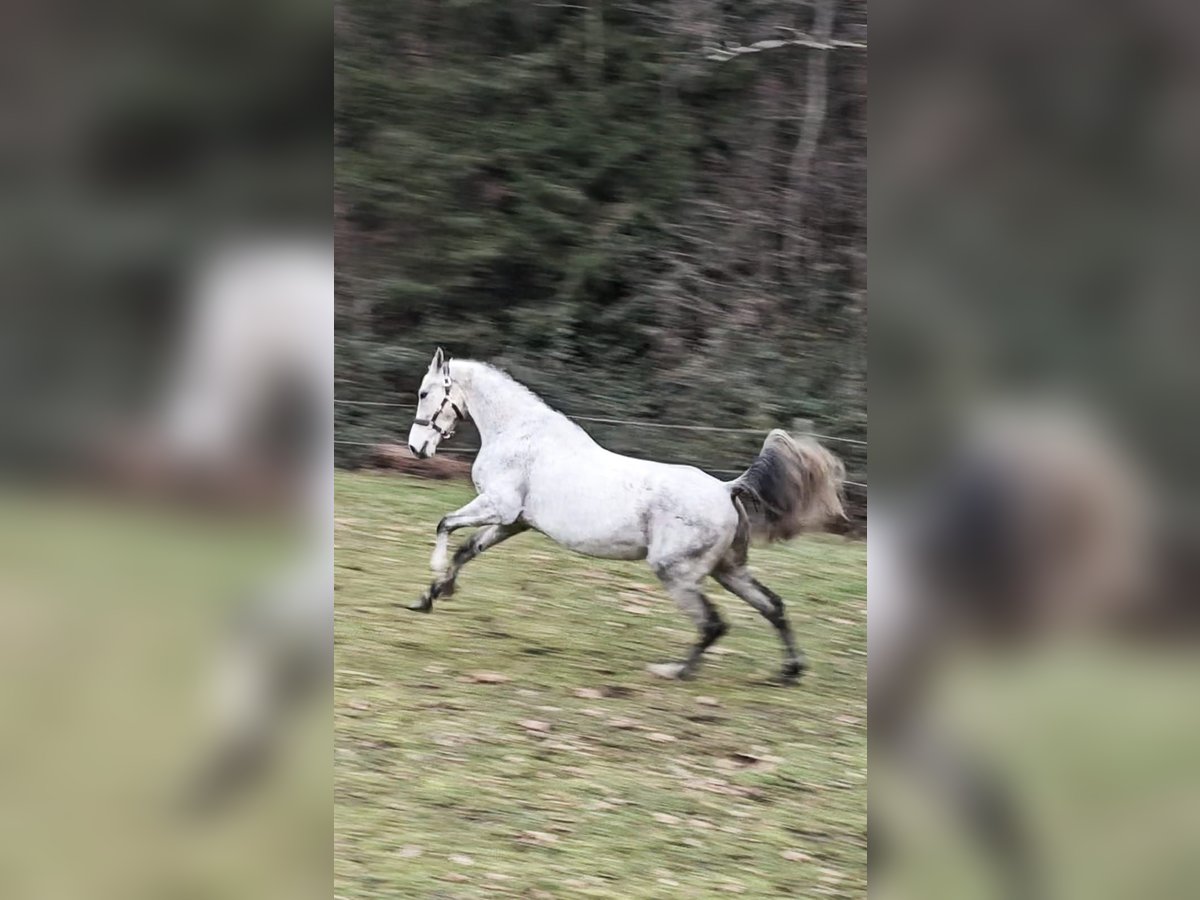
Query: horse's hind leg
[[738, 580], [486, 537], [684, 587]]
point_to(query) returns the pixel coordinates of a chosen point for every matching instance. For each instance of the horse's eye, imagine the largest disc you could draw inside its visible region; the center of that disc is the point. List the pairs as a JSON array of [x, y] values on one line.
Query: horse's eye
[[423, 395]]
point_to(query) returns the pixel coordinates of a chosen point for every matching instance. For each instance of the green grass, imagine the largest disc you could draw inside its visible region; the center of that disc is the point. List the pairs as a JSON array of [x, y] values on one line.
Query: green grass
[[579, 774]]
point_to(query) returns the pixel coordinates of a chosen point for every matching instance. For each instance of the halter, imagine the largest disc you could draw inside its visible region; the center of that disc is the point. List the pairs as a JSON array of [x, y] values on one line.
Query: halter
[[431, 422]]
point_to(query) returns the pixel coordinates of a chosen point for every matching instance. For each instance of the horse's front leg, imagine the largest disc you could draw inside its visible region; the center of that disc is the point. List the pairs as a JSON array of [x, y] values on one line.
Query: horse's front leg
[[486, 537], [480, 511]]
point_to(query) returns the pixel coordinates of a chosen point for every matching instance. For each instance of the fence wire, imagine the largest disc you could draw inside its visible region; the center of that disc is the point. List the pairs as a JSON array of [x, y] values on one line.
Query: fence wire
[[641, 423]]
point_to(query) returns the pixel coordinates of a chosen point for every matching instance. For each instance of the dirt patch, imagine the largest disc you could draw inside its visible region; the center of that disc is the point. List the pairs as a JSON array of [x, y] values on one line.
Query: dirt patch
[[398, 458]]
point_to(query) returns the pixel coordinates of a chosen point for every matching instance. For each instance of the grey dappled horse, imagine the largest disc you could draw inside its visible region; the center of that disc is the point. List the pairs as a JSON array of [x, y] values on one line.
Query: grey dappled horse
[[538, 469]]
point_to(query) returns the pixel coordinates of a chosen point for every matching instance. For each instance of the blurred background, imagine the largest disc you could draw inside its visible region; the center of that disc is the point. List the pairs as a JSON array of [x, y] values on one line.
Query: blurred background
[[165, 368], [644, 211], [1033, 536]]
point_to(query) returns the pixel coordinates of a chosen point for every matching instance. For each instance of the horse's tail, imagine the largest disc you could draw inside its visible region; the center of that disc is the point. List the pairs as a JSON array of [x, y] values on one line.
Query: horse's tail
[[794, 485]]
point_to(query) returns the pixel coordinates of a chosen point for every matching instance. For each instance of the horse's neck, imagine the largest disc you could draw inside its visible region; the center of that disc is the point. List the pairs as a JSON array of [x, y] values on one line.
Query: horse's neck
[[495, 403]]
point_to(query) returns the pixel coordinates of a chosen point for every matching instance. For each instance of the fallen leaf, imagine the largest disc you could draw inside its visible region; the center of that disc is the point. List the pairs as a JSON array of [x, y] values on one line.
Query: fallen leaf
[[660, 738], [636, 610], [667, 818], [621, 722], [794, 855], [489, 678], [708, 701], [745, 759], [461, 859], [700, 823], [455, 876], [589, 693], [541, 837], [410, 852], [535, 725]]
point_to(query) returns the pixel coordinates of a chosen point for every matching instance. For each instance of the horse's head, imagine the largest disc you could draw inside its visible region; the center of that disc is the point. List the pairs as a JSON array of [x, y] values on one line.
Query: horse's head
[[441, 405]]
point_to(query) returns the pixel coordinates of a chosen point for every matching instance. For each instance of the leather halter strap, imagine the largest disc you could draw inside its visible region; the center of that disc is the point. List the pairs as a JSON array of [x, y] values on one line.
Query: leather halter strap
[[432, 421]]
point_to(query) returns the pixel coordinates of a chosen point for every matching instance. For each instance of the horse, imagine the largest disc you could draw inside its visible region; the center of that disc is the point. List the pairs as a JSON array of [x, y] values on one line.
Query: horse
[[537, 469]]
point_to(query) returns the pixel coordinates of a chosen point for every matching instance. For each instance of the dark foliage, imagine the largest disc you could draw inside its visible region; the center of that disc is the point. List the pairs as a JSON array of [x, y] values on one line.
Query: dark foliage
[[588, 196]]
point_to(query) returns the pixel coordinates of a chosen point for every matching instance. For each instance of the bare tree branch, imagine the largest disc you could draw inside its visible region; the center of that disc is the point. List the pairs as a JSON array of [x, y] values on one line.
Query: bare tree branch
[[728, 51], [816, 89]]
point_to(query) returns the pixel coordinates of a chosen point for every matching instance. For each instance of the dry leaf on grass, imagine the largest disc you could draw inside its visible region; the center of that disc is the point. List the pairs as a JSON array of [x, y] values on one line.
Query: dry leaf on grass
[[535, 725], [622, 722], [660, 738], [489, 678]]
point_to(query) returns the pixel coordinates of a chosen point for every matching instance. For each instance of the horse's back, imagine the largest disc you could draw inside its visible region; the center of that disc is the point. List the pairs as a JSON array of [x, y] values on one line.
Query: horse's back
[[604, 504]]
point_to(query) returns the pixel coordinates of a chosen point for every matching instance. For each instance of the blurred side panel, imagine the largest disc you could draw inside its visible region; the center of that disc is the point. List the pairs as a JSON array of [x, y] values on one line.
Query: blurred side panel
[[1033, 605], [165, 494]]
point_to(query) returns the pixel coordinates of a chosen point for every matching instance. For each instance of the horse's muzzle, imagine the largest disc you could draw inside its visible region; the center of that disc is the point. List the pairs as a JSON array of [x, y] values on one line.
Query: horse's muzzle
[[419, 454]]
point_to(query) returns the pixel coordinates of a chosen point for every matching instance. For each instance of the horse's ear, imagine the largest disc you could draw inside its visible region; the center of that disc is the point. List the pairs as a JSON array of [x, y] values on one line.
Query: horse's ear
[[439, 360]]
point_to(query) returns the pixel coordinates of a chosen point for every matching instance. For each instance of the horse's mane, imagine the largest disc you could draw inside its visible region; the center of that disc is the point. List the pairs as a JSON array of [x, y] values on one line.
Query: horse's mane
[[504, 377]]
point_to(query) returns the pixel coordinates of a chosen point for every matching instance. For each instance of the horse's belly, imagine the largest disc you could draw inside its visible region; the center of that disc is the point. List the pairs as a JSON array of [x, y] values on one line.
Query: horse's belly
[[611, 549], [590, 528]]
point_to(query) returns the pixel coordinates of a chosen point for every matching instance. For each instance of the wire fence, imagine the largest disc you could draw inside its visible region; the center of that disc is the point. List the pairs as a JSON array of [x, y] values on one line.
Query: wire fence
[[605, 420]]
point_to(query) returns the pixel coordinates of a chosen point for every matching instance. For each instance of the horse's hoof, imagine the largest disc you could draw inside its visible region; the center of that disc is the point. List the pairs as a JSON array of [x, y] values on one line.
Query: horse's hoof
[[425, 604], [791, 672], [674, 671]]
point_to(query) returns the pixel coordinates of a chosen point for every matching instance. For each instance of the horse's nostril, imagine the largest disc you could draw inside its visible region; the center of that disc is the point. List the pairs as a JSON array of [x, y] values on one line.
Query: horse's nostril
[[413, 451]]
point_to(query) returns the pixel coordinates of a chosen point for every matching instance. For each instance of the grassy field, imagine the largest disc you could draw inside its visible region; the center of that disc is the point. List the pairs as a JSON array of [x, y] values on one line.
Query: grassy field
[[512, 744]]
